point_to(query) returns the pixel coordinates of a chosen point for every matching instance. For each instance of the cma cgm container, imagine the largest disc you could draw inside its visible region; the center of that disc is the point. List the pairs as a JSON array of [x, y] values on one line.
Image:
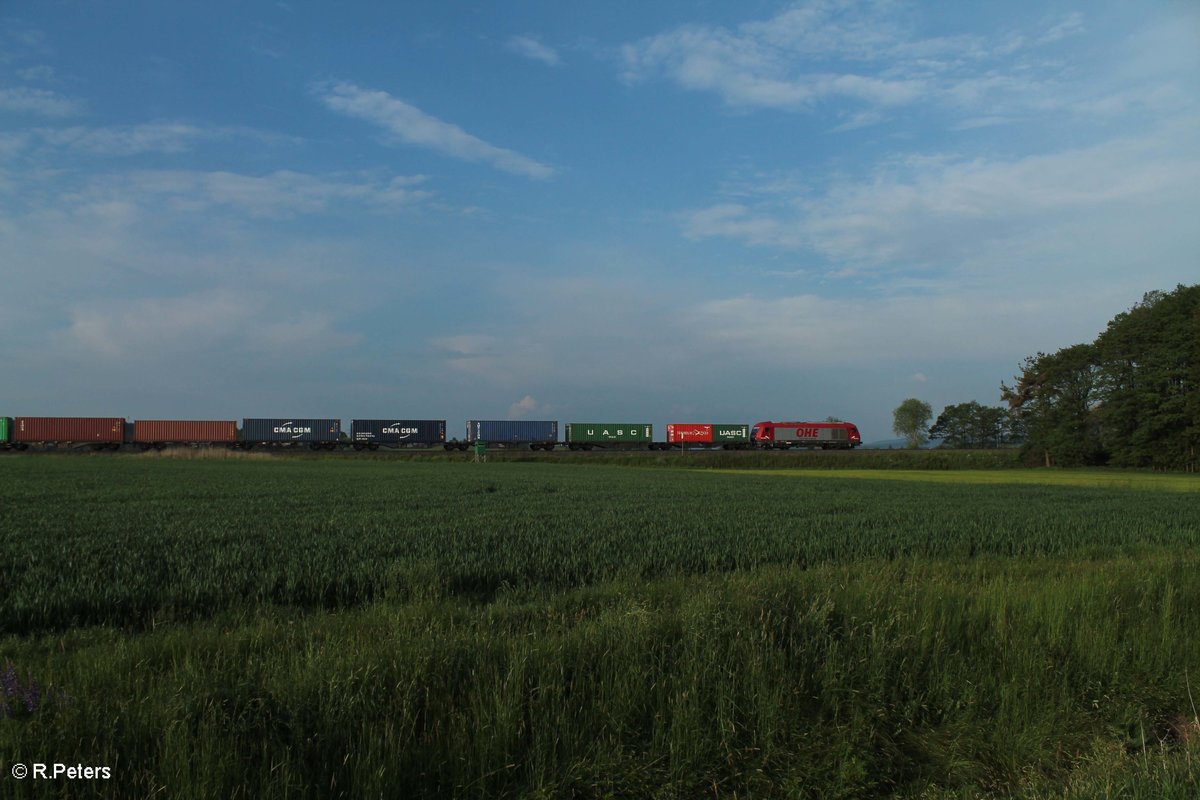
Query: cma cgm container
[[587, 435], [727, 436], [825, 435], [317, 433], [392, 432], [180, 431], [108, 431], [537, 434]]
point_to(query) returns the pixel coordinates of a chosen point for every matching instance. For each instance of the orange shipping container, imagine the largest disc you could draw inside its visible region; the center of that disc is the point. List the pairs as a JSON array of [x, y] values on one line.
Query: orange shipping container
[[159, 431], [109, 430]]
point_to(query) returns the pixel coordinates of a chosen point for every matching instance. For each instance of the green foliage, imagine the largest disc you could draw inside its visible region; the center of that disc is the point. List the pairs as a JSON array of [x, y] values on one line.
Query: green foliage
[[971, 425], [911, 420], [1131, 398], [1150, 365], [1056, 397]]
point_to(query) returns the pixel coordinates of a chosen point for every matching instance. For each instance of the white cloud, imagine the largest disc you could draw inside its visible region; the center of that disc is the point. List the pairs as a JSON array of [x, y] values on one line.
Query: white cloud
[[859, 51], [278, 195], [530, 47], [946, 211], [150, 137], [43, 73], [41, 102], [524, 407], [173, 331], [410, 124]]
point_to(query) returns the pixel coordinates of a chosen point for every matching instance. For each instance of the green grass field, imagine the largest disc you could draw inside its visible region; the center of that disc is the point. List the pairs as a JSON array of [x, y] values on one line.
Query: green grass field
[[304, 627]]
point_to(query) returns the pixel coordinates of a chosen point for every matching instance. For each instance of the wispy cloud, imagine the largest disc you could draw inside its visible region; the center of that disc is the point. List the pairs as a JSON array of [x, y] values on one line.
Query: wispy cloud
[[949, 211], [155, 328], [150, 137], [411, 125], [278, 195], [39, 102], [532, 48], [816, 51]]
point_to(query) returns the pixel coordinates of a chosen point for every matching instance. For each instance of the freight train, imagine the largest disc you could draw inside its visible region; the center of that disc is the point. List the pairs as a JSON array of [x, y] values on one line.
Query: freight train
[[114, 433]]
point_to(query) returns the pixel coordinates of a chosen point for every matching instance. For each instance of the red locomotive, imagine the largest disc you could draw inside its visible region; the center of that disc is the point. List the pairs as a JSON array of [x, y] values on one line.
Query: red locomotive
[[825, 435]]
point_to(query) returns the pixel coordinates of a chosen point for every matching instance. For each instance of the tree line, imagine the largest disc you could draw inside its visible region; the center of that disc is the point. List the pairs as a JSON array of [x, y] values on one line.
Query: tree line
[[1131, 398]]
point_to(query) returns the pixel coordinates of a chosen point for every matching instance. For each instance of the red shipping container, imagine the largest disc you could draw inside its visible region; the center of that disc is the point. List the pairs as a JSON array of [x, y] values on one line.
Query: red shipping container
[[679, 434], [109, 430], [182, 431]]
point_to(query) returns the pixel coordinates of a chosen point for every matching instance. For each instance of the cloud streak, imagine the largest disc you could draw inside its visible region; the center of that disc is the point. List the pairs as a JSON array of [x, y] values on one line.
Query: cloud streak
[[411, 125], [531, 48], [39, 102], [862, 52]]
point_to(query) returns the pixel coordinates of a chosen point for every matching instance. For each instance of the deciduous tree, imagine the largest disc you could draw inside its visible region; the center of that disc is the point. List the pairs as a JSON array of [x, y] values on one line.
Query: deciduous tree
[[911, 420]]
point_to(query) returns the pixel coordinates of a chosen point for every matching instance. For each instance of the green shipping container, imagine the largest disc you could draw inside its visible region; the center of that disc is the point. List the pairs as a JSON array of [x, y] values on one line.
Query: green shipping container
[[6, 427], [609, 433], [731, 434]]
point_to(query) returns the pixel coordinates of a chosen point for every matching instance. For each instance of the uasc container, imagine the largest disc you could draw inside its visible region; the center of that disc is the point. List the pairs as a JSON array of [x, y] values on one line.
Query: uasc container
[[608, 434], [708, 434], [291, 430], [392, 432], [542, 434], [69, 430], [179, 431]]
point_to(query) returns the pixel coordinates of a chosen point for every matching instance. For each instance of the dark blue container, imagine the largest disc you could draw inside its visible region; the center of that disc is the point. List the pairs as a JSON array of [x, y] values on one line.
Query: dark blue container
[[291, 429], [396, 432], [512, 432]]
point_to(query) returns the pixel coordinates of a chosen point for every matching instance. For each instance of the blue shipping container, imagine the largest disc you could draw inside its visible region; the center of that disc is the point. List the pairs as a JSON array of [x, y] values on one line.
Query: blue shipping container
[[291, 429], [392, 431], [511, 431]]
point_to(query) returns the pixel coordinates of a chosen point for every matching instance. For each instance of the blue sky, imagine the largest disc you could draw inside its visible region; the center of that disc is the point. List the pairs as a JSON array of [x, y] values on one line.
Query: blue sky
[[652, 211]]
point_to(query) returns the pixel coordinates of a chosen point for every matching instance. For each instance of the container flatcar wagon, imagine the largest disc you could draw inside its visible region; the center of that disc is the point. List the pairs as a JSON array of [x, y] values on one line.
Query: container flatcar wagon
[[369, 434], [586, 435], [825, 435], [102, 433], [159, 433], [280, 431], [725, 436], [537, 435]]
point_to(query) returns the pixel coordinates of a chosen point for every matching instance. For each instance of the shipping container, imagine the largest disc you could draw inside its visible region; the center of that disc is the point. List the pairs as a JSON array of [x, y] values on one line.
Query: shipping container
[[724, 435], [536, 434], [392, 432], [173, 431], [107, 431], [607, 434], [5, 430], [316, 433]]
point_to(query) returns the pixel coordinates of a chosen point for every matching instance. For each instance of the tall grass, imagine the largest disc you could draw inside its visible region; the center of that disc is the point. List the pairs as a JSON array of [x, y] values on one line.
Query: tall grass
[[379, 628], [863, 680]]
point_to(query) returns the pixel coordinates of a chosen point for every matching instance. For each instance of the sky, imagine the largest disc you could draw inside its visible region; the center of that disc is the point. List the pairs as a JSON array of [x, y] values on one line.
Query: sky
[[651, 211]]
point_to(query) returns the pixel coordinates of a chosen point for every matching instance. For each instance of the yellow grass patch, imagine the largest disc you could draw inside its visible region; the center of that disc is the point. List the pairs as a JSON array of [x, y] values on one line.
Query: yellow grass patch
[[1088, 478]]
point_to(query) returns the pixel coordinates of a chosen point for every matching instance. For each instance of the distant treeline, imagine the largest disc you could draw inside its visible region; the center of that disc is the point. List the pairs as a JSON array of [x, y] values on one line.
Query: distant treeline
[[1131, 398]]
